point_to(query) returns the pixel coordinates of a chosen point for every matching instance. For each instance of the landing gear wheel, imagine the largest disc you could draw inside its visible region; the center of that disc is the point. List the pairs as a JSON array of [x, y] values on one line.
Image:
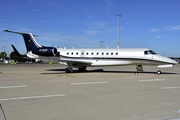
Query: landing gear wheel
[[67, 70], [83, 69], [158, 72], [139, 67]]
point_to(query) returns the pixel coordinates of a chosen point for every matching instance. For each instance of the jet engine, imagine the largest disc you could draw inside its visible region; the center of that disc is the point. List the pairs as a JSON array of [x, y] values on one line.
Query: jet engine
[[45, 51]]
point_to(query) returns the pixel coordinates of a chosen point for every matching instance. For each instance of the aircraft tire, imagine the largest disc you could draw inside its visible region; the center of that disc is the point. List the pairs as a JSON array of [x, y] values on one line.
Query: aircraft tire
[[158, 72], [67, 70], [82, 69]]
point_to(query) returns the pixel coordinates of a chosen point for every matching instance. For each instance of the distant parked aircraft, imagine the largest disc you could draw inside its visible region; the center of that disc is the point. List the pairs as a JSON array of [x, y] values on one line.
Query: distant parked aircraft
[[17, 53]]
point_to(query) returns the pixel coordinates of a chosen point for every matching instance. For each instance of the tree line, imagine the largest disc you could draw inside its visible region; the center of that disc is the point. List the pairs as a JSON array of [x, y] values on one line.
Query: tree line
[[12, 56]]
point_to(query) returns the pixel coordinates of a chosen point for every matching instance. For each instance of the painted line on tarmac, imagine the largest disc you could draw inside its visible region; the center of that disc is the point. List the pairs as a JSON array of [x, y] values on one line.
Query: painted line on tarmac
[[88, 83], [32, 97], [166, 88], [151, 80], [22, 86]]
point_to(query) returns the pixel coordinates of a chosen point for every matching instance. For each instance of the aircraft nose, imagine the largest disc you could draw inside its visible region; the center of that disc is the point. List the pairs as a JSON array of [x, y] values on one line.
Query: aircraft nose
[[174, 62]]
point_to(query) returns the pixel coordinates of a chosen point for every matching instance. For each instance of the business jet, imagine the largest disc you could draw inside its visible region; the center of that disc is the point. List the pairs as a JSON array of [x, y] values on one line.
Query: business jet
[[83, 58], [17, 53]]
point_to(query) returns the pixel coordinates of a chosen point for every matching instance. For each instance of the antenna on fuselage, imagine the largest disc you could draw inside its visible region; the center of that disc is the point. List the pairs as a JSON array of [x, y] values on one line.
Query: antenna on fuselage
[[101, 42]]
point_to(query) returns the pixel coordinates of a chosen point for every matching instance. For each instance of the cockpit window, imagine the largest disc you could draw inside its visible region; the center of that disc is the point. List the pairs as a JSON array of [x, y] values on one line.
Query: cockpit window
[[149, 52], [152, 52]]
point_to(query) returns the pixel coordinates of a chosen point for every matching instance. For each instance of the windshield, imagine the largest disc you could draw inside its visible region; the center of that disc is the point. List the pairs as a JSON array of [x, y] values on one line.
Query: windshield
[[152, 52], [149, 52]]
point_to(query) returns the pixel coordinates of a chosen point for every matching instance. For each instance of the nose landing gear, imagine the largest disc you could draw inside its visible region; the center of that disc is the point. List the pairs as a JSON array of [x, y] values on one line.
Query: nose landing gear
[[158, 71]]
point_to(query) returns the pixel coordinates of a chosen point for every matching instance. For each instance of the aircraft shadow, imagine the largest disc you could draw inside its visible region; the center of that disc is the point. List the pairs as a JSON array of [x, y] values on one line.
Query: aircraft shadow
[[62, 71], [143, 72], [55, 69]]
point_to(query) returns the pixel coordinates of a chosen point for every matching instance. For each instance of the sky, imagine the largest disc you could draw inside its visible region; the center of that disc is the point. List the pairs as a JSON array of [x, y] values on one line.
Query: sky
[[152, 24]]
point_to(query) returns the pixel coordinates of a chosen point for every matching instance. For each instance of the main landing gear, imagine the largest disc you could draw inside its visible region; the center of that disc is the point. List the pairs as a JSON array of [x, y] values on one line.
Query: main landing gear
[[83, 69], [70, 70]]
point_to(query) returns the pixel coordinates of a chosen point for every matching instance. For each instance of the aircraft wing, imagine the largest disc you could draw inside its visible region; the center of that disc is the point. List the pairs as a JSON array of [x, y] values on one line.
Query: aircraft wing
[[76, 62]]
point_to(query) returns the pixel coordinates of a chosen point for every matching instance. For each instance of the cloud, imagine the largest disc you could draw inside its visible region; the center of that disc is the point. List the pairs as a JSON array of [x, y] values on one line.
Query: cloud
[[166, 28], [68, 41], [29, 1], [99, 28], [108, 5], [69, 19], [160, 36], [55, 3], [91, 32], [36, 10], [28, 21], [175, 28], [154, 30], [96, 25]]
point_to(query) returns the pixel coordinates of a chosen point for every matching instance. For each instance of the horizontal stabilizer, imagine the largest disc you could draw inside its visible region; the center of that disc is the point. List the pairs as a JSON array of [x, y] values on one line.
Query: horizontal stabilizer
[[19, 33]]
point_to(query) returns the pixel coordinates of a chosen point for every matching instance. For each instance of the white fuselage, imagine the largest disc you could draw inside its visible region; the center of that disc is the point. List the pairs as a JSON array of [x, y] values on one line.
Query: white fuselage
[[110, 57]]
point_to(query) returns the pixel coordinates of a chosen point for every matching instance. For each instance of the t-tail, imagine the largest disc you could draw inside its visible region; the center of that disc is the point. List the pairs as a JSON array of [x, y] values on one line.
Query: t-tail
[[34, 47]]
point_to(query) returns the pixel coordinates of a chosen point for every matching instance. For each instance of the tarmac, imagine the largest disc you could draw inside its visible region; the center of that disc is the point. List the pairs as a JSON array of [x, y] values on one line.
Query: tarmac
[[46, 92]]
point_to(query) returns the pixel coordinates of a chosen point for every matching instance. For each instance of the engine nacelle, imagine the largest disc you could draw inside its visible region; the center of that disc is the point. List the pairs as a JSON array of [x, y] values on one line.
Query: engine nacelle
[[45, 51]]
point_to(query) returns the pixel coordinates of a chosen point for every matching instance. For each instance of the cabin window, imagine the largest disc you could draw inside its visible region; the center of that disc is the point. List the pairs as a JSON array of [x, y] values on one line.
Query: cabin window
[[97, 53], [72, 53], [92, 53], [107, 53], [102, 53], [116, 53], [67, 53], [87, 53], [76, 53], [111, 53]]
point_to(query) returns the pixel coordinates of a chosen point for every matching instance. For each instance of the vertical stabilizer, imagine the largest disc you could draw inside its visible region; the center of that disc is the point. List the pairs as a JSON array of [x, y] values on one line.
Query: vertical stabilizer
[[29, 40], [33, 47], [16, 51]]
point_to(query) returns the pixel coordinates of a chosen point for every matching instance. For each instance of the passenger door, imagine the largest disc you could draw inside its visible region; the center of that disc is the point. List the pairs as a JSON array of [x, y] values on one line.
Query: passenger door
[[82, 53]]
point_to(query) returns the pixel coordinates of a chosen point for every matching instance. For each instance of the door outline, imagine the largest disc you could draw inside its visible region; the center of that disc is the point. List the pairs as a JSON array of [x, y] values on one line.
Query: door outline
[[82, 53]]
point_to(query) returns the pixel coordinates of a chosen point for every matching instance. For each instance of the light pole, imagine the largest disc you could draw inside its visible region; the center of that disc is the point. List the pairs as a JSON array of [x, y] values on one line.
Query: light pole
[[4, 52], [118, 30]]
